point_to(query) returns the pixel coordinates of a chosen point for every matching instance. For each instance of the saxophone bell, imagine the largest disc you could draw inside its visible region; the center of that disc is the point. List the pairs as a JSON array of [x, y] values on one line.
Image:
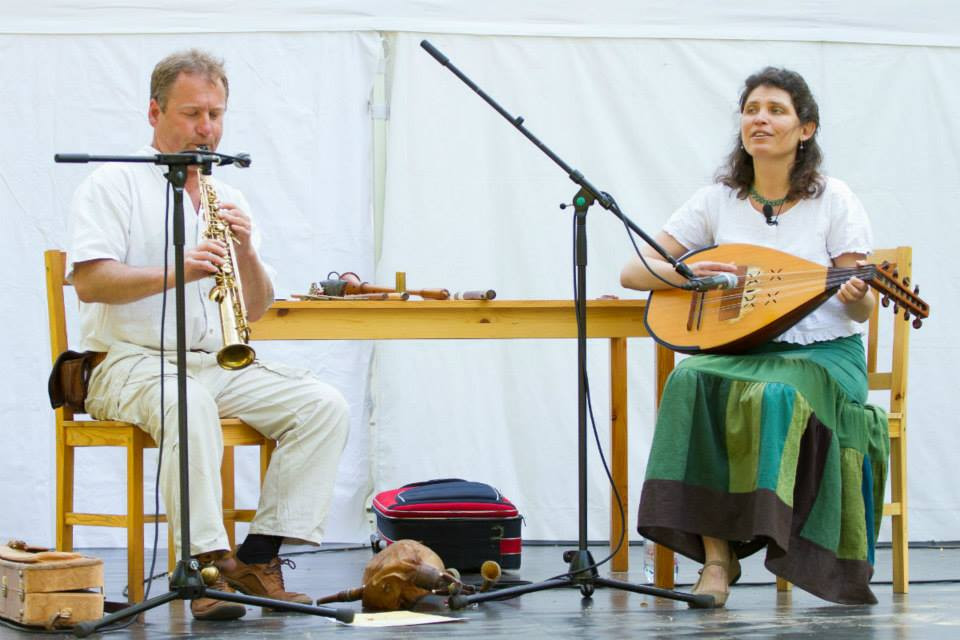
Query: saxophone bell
[[236, 356]]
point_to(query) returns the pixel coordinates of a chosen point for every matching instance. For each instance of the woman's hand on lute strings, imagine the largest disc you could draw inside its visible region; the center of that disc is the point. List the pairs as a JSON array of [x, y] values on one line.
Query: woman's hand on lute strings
[[709, 268], [854, 289], [855, 293]]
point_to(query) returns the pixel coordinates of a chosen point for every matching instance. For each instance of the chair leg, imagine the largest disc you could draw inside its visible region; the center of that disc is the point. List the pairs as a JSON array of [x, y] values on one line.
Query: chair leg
[[229, 495], [901, 562], [135, 515], [663, 563], [172, 550], [65, 466]]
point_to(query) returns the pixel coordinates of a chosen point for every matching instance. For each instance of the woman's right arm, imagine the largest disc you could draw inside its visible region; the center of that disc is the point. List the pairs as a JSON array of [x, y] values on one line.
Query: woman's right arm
[[635, 275]]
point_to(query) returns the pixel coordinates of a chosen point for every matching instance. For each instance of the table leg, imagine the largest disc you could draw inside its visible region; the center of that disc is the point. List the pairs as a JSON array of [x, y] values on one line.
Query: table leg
[[618, 456]]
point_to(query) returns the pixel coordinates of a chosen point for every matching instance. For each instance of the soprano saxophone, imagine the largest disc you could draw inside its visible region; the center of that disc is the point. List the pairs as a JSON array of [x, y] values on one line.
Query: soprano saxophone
[[227, 290]]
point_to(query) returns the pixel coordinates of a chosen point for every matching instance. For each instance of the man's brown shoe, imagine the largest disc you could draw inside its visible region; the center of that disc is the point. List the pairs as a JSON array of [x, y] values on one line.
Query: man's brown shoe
[[264, 580], [211, 608]]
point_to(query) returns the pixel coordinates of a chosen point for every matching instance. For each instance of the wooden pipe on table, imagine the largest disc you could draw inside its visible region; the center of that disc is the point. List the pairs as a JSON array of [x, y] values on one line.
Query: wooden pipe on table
[[429, 294], [358, 296], [353, 285]]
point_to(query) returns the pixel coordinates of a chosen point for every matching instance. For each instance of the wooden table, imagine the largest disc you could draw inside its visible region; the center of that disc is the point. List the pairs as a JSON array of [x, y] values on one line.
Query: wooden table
[[616, 320]]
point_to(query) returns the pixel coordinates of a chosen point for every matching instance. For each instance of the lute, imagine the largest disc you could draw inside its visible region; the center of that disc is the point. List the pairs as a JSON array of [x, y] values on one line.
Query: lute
[[774, 291]]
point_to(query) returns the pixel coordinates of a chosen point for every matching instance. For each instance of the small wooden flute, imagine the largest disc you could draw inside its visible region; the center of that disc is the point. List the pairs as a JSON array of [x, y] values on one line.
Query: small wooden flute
[[489, 294]]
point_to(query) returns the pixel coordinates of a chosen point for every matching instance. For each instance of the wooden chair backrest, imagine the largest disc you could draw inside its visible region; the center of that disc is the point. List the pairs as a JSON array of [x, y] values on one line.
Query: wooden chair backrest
[[895, 378], [55, 261], [894, 381]]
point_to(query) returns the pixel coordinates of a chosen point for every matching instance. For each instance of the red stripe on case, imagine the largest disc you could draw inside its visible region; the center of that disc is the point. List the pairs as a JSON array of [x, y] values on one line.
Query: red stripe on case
[[511, 545]]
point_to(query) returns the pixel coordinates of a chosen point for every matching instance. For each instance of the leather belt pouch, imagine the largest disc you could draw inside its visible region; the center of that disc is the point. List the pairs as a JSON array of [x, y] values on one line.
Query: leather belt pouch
[[68, 381]]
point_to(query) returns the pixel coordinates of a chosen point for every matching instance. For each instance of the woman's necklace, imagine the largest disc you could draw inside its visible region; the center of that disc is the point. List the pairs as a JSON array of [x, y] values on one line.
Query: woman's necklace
[[763, 201]]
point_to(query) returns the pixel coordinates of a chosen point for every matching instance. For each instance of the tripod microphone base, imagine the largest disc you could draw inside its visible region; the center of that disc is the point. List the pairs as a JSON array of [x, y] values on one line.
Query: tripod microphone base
[[583, 575], [84, 629]]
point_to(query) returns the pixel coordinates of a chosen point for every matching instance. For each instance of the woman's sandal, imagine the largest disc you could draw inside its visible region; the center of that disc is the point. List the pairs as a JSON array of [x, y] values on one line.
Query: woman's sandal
[[732, 568], [719, 597]]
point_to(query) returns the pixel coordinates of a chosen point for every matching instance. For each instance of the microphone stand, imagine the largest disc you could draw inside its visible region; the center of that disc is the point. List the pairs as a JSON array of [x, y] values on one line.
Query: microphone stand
[[186, 582], [582, 570]]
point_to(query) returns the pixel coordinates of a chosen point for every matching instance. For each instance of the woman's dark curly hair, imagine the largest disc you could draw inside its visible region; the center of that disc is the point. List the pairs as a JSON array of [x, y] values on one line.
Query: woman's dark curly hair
[[805, 178]]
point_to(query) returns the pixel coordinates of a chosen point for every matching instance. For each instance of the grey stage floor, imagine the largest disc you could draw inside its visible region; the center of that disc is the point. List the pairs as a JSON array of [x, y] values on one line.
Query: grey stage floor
[[755, 610]]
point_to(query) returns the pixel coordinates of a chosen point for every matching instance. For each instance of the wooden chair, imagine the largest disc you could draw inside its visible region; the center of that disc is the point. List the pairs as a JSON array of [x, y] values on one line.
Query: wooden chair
[[73, 431], [895, 382]]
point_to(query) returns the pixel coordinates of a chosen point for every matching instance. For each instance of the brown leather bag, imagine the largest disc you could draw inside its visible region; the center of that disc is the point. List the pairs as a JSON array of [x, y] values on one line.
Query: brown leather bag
[[397, 577], [68, 381], [406, 571]]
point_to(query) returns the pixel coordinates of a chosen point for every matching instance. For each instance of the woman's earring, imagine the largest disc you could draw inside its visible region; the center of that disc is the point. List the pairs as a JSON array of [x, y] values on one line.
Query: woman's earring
[[801, 145]]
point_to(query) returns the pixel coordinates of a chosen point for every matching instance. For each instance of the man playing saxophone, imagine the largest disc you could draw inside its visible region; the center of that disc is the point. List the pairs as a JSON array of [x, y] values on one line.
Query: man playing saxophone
[[118, 237]]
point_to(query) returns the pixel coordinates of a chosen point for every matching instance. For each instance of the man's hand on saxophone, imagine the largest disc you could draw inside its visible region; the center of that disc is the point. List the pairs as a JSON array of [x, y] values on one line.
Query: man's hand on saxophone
[[257, 289], [202, 261], [240, 226]]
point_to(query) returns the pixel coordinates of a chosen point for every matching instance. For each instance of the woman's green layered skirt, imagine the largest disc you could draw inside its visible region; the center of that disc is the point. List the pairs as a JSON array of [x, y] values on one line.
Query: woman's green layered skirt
[[773, 449]]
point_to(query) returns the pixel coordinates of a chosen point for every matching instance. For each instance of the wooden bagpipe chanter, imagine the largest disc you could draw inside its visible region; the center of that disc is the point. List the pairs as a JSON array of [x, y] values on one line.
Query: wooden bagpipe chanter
[[773, 291]]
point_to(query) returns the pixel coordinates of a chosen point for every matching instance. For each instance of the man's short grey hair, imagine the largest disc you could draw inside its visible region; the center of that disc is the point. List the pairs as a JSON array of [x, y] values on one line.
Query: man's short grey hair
[[192, 61]]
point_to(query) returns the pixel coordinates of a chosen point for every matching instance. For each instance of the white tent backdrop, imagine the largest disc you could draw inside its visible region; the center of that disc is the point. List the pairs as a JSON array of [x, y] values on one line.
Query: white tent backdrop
[[923, 22], [641, 97]]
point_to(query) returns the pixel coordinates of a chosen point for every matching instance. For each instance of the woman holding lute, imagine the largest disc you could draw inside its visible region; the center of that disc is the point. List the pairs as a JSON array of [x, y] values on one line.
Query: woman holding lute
[[773, 447]]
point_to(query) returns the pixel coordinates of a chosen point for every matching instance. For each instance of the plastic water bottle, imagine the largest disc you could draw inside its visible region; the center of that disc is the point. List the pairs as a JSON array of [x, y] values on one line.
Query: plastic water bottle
[[649, 562]]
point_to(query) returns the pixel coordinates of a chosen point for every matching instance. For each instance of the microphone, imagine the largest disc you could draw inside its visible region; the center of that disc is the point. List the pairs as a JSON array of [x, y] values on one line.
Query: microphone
[[768, 214], [718, 281], [242, 160]]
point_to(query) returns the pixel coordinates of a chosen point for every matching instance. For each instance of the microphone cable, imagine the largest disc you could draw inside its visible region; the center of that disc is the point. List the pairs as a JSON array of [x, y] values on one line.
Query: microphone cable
[[163, 319], [630, 233], [580, 315], [586, 385]]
